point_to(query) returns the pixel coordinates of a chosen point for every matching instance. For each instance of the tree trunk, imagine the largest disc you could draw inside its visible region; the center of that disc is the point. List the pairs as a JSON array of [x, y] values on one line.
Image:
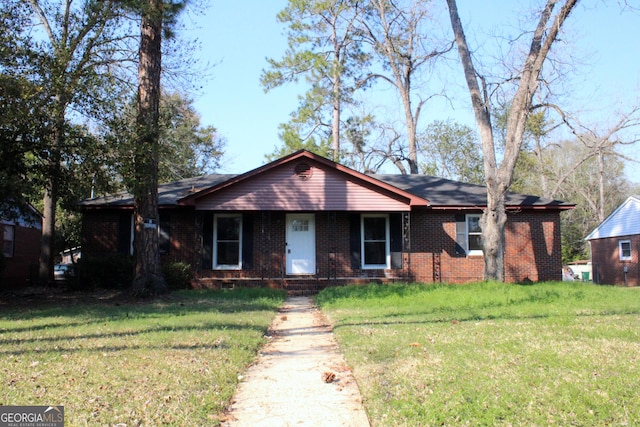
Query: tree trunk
[[336, 88], [601, 190], [45, 263], [148, 273], [50, 201], [335, 124], [493, 223], [412, 161], [403, 62], [539, 152]]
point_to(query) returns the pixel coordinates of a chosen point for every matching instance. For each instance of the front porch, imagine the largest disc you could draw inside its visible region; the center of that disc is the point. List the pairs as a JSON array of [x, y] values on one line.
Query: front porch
[[302, 253]]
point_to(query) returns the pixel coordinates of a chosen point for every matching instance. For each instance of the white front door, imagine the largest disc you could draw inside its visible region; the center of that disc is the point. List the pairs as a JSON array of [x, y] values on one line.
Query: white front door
[[301, 244]]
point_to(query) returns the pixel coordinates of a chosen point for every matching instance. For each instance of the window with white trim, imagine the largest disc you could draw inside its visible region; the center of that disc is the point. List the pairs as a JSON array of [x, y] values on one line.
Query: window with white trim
[[164, 233], [227, 241], [375, 249], [624, 248], [8, 237], [468, 234], [474, 235]]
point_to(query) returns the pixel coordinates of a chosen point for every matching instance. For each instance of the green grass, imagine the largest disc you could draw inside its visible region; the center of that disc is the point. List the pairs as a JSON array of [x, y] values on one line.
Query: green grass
[[492, 354], [174, 361]]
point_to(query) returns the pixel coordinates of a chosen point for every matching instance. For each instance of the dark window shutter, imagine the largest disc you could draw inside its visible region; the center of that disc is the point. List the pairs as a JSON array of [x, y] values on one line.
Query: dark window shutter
[[207, 240], [247, 242], [461, 234], [124, 234], [395, 231], [354, 241]]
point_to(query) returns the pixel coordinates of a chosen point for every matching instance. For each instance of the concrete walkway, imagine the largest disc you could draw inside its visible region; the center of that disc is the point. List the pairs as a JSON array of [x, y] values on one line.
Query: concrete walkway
[[300, 378]]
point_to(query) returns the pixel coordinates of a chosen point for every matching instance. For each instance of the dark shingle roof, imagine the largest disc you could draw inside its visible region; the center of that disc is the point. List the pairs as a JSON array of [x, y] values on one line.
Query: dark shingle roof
[[449, 193], [168, 194]]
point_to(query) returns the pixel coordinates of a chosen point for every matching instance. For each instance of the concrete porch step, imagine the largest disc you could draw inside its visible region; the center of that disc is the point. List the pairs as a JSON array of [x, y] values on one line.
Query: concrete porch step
[[302, 288]]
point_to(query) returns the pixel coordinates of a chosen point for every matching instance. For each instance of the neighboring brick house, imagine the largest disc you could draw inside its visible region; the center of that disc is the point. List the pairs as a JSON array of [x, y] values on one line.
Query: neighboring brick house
[[304, 218], [21, 232], [615, 246]]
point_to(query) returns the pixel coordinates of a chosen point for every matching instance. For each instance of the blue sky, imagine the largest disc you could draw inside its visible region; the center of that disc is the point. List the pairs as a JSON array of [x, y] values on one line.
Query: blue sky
[[237, 39]]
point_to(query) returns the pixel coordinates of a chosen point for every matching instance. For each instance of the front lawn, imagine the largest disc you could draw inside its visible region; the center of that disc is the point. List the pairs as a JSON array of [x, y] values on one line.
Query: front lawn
[[172, 361], [492, 354]]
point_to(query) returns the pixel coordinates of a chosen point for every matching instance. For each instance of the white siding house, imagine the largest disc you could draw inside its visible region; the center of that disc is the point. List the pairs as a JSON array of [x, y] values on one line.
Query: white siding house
[[615, 244]]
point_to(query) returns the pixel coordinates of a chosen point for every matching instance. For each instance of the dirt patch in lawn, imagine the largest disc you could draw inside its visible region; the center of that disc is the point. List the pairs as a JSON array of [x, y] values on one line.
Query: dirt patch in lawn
[[41, 297]]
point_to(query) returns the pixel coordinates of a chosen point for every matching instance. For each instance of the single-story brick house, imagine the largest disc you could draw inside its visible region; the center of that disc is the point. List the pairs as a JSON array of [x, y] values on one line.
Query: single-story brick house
[[21, 231], [304, 218], [615, 246]]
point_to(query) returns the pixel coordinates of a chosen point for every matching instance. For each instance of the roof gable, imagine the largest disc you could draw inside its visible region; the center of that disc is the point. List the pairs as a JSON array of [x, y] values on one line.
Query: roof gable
[[22, 214], [304, 181], [623, 221]]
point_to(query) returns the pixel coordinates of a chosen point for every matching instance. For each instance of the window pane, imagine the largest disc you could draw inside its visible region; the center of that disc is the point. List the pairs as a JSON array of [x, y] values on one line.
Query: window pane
[[8, 232], [300, 225], [7, 249], [375, 253], [7, 244], [625, 248], [474, 224], [475, 242], [228, 253], [375, 228], [228, 228]]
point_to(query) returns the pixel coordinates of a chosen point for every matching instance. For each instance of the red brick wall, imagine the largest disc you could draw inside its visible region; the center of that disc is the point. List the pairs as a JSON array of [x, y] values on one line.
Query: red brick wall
[[22, 267], [100, 232], [182, 247], [532, 246], [101, 228], [332, 243], [607, 266], [433, 250], [269, 245]]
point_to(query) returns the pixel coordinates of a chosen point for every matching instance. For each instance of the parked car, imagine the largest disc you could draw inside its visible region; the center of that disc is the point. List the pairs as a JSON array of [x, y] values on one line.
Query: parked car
[[62, 272]]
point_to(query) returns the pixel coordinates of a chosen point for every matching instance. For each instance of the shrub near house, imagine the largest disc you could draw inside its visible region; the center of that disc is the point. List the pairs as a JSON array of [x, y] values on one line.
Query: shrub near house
[[305, 219]]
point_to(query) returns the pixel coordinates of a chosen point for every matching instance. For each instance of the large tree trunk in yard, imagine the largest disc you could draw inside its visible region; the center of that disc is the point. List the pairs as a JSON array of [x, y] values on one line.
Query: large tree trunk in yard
[[148, 273], [47, 241], [493, 222], [499, 177], [50, 200]]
